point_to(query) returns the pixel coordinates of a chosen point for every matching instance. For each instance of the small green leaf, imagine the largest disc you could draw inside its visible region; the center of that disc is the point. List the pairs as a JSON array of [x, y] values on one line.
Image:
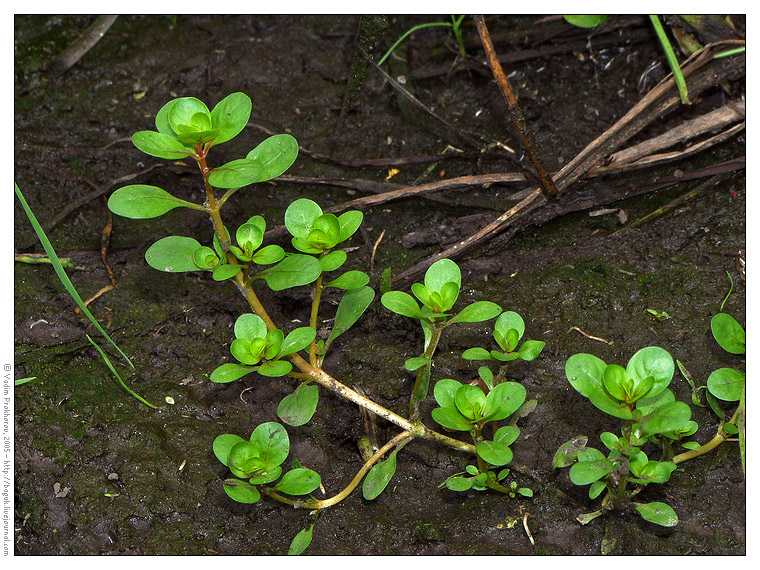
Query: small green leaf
[[244, 459], [378, 477], [268, 254], [274, 156], [691, 445], [241, 491], [352, 306], [596, 489], [726, 384], [349, 223], [665, 418], [333, 260], [140, 201], [441, 272], [300, 481], [445, 391], [301, 541], [507, 321], [494, 452], [530, 349], [657, 513], [272, 443], [459, 484], [655, 362], [173, 254], [300, 216], [230, 372], [585, 20], [160, 145], [271, 473], [296, 340], [470, 401], [504, 400], [451, 419], [230, 116], [506, 435], [250, 326], [222, 445], [235, 174], [293, 271], [728, 333], [401, 303], [415, 363], [586, 472], [476, 354], [226, 271], [477, 312], [350, 280], [297, 409], [275, 368]]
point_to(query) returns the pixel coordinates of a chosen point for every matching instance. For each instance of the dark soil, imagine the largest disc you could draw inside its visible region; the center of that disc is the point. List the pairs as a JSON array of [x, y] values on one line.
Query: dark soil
[[96, 472]]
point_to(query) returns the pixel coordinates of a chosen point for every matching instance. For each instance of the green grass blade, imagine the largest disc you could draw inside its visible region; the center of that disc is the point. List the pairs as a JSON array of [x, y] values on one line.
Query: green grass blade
[[113, 371], [671, 57], [55, 262]]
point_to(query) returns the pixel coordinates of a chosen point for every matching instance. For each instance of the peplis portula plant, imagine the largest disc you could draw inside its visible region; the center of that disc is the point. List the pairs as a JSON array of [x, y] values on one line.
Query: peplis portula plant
[[639, 396], [725, 384], [187, 129]]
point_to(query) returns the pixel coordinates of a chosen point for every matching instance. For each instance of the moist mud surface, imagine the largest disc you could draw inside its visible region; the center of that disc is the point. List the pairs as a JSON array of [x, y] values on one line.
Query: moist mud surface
[[97, 472]]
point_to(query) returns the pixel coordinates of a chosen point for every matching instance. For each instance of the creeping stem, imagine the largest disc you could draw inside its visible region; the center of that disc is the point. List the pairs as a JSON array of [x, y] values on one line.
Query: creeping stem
[[719, 438], [400, 439]]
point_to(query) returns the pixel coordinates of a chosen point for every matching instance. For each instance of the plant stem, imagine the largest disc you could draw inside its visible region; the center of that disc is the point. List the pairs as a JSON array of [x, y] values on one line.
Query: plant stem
[[317, 297], [422, 381], [670, 55], [719, 438], [411, 31], [400, 439]]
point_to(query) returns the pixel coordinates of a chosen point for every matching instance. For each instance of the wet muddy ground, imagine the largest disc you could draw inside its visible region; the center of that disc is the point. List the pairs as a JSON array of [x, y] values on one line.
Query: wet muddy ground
[[96, 472]]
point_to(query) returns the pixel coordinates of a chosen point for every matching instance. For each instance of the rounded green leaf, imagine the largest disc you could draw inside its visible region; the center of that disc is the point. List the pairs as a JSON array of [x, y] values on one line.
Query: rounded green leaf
[[249, 237], [268, 254], [300, 216], [160, 145], [586, 472], [162, 120], [299, 481], [296, 340], [530, 349], [140, 201], [728, 333], [378, 477], [459, 484], [494, 452], [586, 20], [271, 442], [229, 372], [230, 116], [596, 489], [507, 435], [297, 408], [350, 280], [244, 460], [226, 271], [585, 373], [173, 254], [333, 260], [349, 223], [415, 363], [274, 156], [272, 473], [445, 391], [504, 400], [477, 312], [655, 362], [189, 114], [401, 303], [275, 369], [205, 258], [293, 271], [726, 384], [241, 491], [476, 354], [301, 541], [451, 419], [507, 321], [441, 272], [470, 401], [657, 513], [235, 174], [250, 326], [222, 445], [665, 418]]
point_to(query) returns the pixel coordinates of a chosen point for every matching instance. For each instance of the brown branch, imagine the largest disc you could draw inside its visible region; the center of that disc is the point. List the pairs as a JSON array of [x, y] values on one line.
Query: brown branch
[[518, 119], [84, 43]]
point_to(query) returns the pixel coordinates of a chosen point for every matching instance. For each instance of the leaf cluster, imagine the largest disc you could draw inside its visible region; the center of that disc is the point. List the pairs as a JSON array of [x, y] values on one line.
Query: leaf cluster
[[508, 330]]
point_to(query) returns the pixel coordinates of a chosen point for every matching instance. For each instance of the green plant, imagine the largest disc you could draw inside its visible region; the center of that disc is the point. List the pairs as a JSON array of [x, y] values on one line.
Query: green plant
[[638, 395], [725, 384], [187, 129], [456, 27]]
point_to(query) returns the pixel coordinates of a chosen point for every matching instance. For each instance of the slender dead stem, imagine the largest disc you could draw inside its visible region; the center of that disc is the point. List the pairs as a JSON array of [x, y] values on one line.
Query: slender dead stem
[[518, 119]]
